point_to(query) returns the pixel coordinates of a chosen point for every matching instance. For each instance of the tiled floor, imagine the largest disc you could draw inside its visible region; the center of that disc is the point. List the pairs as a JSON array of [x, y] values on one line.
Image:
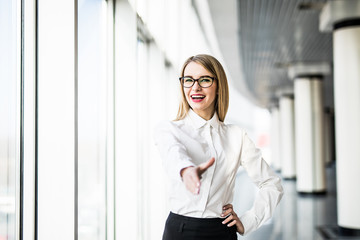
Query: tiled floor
[[298, 217]]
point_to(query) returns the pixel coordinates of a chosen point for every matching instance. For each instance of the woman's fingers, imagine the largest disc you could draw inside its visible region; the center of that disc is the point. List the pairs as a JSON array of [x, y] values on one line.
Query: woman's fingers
[[232, 219], [191, 175], [228, 219], [204, 166], [232, 223], [191, 180], [227, 206], [227, 209], [195, 184]]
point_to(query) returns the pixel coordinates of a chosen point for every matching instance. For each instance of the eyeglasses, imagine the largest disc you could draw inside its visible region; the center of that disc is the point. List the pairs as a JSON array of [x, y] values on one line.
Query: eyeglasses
[[205, 82]]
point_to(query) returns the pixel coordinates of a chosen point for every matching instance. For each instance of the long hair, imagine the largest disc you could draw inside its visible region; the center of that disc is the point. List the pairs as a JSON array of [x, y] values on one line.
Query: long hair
[[215, 68]]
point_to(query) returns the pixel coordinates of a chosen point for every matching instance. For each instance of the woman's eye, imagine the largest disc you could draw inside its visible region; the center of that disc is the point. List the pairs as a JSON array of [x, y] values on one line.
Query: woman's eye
[[188, 80], [205, 80]]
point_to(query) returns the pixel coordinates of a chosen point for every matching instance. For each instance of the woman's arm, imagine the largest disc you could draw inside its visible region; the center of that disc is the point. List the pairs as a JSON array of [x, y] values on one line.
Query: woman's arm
[[173, 153], [176, 160], [269, 184]]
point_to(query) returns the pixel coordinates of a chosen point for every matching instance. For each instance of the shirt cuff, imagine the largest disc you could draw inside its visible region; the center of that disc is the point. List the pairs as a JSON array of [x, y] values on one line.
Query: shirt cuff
[[183, 164], [249, 221]]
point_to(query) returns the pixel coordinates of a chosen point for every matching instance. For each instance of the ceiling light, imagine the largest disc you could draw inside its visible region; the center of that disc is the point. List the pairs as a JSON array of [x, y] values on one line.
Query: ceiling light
[[311, 5]]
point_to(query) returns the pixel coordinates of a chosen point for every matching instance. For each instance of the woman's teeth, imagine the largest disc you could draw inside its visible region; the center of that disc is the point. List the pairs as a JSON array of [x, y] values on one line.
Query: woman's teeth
[[197, 97]]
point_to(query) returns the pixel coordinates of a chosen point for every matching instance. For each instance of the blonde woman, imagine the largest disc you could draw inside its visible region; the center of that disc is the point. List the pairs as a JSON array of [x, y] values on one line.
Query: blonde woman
[[201, 155]]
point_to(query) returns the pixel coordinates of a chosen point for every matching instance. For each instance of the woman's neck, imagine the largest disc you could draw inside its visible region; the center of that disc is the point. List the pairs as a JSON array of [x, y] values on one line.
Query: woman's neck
[[207, 115]]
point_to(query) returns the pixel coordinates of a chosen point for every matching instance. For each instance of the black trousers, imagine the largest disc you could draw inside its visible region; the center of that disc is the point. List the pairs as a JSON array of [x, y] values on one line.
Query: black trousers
[[179, 227]]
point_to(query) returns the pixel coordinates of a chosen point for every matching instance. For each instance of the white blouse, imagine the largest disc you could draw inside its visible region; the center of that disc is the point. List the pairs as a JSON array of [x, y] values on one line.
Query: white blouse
[[192, 141]]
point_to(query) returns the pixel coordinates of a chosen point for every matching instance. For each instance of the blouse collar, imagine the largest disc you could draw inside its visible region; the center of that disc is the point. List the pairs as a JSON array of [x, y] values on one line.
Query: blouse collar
[[199, 122]]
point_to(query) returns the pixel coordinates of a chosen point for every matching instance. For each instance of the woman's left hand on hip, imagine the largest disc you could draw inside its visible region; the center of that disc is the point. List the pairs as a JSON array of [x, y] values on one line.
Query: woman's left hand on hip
[[232, 218]]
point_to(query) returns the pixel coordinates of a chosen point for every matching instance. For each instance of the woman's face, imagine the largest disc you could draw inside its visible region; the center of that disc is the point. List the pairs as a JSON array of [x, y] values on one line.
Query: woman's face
[[201, 100]]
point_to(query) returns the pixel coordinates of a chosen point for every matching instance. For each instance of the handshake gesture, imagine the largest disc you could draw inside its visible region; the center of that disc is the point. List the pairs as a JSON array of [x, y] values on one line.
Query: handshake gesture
[[191, 175]]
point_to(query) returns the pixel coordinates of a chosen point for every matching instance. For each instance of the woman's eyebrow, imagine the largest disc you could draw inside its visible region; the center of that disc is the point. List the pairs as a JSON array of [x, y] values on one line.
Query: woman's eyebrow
[[200, 76]]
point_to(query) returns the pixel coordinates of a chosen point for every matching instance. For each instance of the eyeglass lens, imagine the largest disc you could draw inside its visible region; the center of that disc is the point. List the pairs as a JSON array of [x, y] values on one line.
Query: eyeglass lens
[[203, 82]]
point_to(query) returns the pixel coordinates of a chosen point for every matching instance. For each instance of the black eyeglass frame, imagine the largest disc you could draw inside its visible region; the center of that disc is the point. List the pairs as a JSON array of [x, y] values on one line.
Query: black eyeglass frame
[[197, 80]]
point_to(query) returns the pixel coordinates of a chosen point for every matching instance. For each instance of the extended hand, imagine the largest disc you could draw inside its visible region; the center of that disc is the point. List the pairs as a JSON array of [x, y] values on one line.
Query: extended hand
[[192, 175], [232, 219]]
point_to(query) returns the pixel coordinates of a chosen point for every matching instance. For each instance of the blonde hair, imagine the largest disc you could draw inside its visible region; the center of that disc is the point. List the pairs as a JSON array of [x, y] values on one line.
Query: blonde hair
[[215, 68]]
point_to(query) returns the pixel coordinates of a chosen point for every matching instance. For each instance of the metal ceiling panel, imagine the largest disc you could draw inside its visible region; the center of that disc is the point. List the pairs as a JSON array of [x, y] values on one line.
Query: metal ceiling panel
[[276, 33], [271, 35]]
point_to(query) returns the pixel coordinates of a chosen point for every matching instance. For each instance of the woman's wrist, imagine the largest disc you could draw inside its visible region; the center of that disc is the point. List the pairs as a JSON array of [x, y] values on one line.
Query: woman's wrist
[[241, 229], [182, 171]]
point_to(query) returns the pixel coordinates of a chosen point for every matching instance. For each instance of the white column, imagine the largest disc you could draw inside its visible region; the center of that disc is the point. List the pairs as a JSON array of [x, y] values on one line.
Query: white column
[[127, 167], [57, 131], [309, 135], [110, 141], [275, 139], [288, 169], [347, 105], [343, 18]]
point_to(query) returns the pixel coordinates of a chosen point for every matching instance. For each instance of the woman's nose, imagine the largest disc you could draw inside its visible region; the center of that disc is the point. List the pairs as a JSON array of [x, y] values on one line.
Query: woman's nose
[[196, 86]]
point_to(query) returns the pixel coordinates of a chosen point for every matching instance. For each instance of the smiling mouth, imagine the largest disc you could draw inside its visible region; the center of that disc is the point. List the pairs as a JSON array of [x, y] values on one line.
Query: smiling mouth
[[197, 97]]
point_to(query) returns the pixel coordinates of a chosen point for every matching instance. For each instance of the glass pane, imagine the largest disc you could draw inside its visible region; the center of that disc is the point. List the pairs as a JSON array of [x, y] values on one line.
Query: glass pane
[[142, 114], [92, 119], [8, 101]]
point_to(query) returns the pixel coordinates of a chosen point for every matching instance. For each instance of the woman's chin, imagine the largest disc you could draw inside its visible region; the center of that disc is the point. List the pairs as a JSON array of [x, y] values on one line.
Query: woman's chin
[[197, 109]]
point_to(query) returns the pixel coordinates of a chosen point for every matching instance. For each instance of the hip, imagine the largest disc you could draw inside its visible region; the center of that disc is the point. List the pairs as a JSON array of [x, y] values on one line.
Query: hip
[[180, 227]]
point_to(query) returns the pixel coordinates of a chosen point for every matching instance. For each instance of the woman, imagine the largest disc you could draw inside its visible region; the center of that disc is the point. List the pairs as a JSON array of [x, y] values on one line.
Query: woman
[[201, 156]]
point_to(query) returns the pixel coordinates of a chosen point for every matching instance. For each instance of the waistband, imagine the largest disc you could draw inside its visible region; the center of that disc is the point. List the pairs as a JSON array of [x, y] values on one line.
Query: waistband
[[178, 217]]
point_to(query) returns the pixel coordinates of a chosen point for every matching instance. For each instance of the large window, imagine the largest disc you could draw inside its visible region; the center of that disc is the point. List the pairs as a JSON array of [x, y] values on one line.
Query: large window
[[95, 81], [8, 119], [92, 119]]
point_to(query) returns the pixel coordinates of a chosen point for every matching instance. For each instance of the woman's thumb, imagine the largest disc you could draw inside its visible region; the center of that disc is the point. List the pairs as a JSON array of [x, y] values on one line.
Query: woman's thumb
[[204, 166]]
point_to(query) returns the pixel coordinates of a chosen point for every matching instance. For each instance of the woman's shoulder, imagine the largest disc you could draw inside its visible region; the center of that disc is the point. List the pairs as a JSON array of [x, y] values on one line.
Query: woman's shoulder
[[165, 130], [233, 128], [168, 125]]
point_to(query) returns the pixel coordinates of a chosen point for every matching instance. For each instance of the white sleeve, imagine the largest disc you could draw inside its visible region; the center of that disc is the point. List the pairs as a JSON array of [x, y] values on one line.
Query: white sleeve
[[172, 151], [269, 184]]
